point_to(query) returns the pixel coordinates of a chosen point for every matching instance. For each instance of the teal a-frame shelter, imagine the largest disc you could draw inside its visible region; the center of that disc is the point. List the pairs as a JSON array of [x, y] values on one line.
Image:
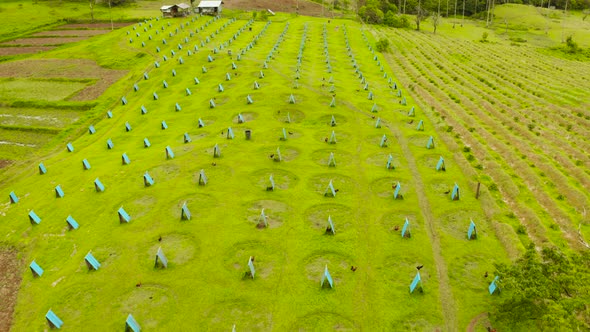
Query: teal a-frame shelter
[[161, 260], [327, 280], [53, 321], [416, 283], [131, 324]]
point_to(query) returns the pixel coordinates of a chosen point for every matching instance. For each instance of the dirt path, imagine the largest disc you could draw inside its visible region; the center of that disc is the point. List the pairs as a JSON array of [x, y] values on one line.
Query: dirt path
[[8, 51], [473, 324], [290, 6], [446, 296], [10, 279]]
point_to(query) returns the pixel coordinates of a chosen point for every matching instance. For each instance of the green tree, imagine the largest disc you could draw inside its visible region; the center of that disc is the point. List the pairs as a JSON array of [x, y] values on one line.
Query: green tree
[[371, 12], [396, 21], [547, 291], [382, 45]]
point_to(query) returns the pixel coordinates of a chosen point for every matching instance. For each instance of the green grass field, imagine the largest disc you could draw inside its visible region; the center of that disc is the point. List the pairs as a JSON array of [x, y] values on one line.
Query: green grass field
[[208, 253], [27, 89], [518, 128]]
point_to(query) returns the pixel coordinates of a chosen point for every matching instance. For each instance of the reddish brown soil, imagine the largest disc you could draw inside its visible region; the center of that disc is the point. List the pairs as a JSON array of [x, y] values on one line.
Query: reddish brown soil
[[44, 41], [94, 25], [8, 51], [10, 278], [69, 33], [5, 163], [65, 68], [305, 7]]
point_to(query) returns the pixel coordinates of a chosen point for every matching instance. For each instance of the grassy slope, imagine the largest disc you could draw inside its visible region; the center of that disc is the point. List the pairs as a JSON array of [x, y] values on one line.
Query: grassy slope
[[539, 27], [208, 254], [50, 13], [525, 122]]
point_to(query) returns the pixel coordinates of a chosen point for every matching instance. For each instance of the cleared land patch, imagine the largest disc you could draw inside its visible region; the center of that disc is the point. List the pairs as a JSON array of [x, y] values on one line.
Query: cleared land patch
[[8, 51], [52, 118], [32, 89], [73, 33], [44, 41], [65, 68], [10, 278], [291, 6], [77, 26]]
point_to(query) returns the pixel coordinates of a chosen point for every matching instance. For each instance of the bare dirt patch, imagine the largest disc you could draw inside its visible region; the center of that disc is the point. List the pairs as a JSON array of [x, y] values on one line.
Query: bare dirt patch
[[44, 41], [71, 33], [93, 25], [290, 6], [5, 163], [10, 279], [8, 51], [65, 68]]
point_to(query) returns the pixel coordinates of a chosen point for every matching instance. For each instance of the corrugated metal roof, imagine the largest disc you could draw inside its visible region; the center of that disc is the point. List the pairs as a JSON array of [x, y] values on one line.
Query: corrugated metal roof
[[208, 3], [183, 5]]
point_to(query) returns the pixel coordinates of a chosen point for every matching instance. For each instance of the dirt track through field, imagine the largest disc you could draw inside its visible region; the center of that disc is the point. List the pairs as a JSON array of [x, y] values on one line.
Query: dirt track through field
[[10, 279], [290, 6], [77, 26], [44, 41], [8, 51], [68, 33]]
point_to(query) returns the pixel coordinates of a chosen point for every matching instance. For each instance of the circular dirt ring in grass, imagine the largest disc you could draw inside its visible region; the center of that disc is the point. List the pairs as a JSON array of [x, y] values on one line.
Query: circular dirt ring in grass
[[375, 140], [208, 120], [291, 134], [222, 144], [295, 115], [219, 99], [283, 179], [456, 222], [149, 298], [324, 321], [74, 293], [430, 161], [248, 116], [380, 160], [322, 157], [106, 255], [194, 135], [198, 204], [287, 153], [344, 184], [137, 207], [215, 174], [180, 149], [420, 140], [178, 248], [165, 171], [385, 186], [266, 259], [338, 265], [441, 185], [247, 316], [276, 212], [327, 119], [404, 266], [341, 215], [323, 136], [394, 218]]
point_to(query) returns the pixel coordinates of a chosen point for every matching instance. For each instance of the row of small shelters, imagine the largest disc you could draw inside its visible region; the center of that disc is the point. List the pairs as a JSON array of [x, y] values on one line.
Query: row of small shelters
[[205, 7]]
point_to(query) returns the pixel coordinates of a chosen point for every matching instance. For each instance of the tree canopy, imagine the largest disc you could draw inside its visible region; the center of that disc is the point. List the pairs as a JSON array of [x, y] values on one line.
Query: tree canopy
[[549, 290]]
